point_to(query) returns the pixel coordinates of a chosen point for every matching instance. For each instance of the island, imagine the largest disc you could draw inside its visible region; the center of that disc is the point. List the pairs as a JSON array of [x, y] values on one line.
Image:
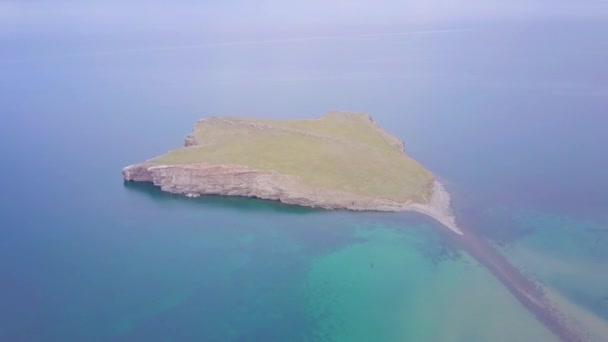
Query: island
[[341, 160]]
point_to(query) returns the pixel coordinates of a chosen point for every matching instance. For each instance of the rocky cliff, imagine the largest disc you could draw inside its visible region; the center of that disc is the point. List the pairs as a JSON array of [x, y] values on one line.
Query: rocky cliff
[[194, 180], [362, 166]]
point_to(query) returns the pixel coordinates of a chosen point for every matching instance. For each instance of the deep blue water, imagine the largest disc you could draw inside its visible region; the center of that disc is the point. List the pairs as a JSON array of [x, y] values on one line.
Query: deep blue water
[[512, 119]]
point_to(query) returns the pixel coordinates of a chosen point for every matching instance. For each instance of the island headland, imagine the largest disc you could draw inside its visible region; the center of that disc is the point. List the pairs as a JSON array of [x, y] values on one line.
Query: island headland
[[341, 160]]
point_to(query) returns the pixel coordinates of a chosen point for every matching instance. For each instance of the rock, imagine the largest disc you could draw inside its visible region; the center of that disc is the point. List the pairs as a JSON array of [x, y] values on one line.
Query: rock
[[190, 141], [203, 179]]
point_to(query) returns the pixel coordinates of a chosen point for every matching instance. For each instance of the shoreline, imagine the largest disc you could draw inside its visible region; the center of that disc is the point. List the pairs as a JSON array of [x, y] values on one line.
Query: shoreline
[[232, 180], [439, 208]]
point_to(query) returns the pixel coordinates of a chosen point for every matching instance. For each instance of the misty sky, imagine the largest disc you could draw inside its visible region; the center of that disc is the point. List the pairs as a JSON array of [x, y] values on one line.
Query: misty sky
[[180, 22]]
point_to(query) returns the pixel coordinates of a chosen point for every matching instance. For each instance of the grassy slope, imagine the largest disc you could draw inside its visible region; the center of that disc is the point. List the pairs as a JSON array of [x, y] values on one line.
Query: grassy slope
[[362, 160]]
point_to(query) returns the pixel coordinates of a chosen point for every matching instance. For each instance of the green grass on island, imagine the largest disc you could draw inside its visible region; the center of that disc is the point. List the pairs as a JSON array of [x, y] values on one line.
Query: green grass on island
[[338, 151]]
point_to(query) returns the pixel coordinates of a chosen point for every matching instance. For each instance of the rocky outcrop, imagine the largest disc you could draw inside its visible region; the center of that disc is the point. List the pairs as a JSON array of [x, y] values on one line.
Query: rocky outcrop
[[190, 141], [194, 180]]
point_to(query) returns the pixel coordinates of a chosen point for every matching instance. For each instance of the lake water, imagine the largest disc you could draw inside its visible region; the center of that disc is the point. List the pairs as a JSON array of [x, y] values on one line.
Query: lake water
[[512, 119]]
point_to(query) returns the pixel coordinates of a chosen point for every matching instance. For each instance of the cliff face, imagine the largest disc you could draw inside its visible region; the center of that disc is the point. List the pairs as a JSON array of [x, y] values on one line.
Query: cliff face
[[193, 180]]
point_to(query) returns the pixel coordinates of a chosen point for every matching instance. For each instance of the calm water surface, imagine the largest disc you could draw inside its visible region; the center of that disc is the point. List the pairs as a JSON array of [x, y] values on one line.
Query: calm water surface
[[516, 133]]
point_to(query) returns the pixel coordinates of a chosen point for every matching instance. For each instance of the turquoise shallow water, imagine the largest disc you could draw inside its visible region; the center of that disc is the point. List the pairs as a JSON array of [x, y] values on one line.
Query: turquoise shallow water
[[236, 269], [568, 257], [85, 257]]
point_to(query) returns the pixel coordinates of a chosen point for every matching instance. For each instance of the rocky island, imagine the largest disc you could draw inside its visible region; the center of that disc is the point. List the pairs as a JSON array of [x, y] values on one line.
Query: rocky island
[[340, 160]]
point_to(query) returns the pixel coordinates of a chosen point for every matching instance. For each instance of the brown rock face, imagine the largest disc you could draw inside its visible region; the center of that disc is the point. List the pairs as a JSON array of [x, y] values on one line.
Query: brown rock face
[[204, 179], [190, 141]]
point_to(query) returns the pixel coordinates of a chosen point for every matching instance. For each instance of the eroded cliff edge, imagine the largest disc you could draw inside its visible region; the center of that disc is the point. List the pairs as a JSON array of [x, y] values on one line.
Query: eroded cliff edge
[[307, 163]]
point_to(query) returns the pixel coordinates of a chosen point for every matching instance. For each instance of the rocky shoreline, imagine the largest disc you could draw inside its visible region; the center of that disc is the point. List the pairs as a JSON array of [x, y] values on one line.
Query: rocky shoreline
[[194, 180]]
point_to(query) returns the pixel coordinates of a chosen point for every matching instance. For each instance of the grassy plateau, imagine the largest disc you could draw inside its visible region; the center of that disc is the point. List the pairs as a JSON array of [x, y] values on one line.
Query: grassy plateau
[[337, 151]]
